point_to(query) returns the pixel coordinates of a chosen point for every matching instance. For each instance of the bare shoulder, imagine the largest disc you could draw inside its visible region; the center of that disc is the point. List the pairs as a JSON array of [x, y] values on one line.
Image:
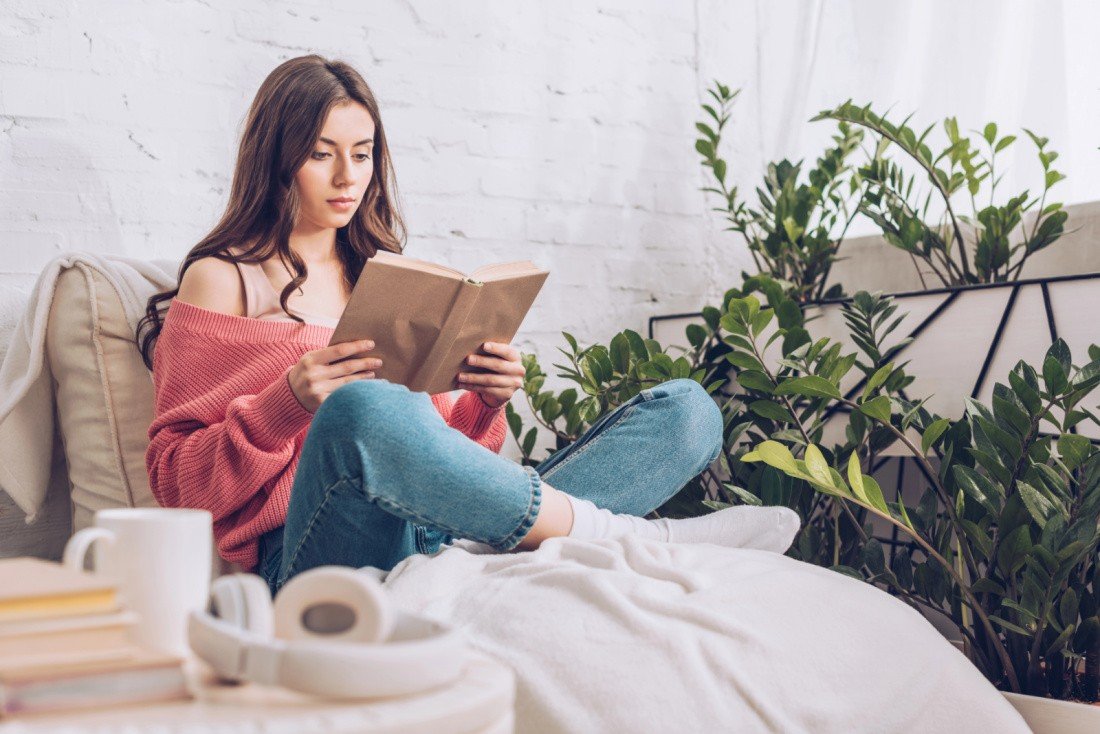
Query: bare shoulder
[[213, 284]]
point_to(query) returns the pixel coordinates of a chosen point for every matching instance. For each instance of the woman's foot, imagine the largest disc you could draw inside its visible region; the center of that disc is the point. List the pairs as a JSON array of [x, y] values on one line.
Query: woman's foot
[[764, 528]]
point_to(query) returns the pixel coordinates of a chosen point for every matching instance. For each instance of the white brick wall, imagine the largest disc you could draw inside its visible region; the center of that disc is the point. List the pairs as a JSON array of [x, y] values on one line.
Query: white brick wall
[[558, 132], [561, 132]]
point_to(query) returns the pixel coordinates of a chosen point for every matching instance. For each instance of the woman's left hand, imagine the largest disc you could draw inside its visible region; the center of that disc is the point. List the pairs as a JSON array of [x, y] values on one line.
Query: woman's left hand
[[495, 389]]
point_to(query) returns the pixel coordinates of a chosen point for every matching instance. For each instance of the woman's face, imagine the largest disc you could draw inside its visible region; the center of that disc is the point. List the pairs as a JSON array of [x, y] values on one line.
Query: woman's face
[[339, 167]]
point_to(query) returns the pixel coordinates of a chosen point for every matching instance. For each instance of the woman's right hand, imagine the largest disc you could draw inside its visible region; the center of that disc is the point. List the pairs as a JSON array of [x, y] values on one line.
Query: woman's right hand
[[315, 376]]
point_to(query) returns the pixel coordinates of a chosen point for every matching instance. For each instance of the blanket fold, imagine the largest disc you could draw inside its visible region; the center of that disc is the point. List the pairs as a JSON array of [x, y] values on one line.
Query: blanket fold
[[638, 635]]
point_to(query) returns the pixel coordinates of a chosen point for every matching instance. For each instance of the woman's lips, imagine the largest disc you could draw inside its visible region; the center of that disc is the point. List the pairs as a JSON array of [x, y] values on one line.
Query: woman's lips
[[342, 206]]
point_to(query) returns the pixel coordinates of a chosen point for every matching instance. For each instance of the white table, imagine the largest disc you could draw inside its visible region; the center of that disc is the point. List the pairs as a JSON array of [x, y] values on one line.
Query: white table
[[480, 702]]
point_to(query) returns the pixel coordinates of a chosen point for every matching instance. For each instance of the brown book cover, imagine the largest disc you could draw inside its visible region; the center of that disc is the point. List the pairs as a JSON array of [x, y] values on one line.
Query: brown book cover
[[426, 318], [32, 588]]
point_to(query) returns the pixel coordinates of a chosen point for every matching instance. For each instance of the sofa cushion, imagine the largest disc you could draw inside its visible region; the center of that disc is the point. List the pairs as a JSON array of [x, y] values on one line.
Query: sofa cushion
[[104, 398], [104, 395]]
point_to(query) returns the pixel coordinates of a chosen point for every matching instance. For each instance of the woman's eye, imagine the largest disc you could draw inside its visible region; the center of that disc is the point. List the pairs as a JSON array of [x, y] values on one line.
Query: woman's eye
[[320, 155]]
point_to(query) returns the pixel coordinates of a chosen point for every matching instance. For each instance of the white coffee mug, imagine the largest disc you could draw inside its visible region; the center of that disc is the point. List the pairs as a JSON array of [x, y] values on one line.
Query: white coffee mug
[[160, 558]]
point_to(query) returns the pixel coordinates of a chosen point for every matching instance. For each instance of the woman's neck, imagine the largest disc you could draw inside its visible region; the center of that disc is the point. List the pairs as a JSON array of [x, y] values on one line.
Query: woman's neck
[[315, 248]]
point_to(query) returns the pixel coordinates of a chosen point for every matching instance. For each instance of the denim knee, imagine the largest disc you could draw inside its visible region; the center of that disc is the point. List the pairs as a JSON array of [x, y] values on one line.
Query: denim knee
[[693, 418], [356, 403]]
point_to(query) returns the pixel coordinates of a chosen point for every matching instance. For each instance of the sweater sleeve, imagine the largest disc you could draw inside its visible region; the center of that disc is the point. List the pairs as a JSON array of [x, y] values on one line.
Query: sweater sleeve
[[200, 457], [224, 425], [469, 414]]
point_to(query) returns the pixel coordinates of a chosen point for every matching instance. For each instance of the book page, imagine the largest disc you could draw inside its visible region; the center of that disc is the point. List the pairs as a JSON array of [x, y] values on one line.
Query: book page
[[500, 271], [411, 263]]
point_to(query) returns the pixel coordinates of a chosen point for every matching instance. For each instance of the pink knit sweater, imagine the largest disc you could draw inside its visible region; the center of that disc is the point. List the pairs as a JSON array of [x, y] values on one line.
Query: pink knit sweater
[[227, 430]]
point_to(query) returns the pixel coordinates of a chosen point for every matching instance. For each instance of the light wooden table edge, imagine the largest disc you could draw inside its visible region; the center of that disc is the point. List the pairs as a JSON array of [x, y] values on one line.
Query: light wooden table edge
[[480, 702]]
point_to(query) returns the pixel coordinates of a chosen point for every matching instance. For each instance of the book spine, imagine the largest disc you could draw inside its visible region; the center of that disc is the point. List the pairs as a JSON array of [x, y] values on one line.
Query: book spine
[[460, 311]]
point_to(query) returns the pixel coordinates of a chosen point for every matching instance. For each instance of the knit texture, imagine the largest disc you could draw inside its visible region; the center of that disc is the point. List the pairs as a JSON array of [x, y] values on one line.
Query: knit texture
[[227, 430]]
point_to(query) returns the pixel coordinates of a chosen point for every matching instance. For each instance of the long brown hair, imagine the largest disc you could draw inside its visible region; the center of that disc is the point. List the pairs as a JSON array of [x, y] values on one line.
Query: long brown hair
[[283, 125]]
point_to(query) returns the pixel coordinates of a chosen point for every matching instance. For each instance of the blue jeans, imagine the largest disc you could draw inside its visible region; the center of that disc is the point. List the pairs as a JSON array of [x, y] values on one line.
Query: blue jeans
[[382, 476]]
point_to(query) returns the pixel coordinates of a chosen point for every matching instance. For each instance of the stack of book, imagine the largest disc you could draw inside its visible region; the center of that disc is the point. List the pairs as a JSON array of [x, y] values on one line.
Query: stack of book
[[65, 644]]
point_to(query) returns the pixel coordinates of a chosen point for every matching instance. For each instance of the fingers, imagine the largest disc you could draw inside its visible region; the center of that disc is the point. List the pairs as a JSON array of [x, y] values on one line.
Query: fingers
[[496, 364], [488, 380], [505, 351], [354, 378], [349, 366], [335, 352]]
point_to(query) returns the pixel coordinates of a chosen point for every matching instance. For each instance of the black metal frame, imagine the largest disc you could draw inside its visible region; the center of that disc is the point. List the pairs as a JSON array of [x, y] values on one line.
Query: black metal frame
[[1015, 284], [952, 296]]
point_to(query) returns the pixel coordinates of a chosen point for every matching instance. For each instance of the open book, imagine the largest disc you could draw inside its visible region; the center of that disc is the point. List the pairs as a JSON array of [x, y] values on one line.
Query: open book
[[426, 318]]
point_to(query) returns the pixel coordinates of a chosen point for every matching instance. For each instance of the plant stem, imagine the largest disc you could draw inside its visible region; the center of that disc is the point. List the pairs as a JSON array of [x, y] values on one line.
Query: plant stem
[[998, 645], [940, 490]]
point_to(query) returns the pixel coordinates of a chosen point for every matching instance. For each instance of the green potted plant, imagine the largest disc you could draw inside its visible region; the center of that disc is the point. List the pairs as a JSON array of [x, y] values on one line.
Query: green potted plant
[[795, 230], [942, 205], [1006, 535]]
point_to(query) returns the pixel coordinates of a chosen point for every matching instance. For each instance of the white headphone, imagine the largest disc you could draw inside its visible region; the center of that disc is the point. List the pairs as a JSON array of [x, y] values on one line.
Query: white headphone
[[331, 632]]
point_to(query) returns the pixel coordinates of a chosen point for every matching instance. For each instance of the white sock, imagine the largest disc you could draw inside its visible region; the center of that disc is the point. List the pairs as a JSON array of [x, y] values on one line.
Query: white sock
[[744, 526]]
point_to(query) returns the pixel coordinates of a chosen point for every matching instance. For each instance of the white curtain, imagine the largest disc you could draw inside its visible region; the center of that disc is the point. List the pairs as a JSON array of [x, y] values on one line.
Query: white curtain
[[1020, 63]]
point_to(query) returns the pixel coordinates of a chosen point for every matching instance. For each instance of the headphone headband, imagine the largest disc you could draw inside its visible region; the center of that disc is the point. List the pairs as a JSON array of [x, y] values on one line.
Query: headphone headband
[[382, 652]]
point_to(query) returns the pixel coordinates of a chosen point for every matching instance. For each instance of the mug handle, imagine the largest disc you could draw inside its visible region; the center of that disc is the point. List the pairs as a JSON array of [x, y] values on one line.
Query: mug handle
[[77, 546]]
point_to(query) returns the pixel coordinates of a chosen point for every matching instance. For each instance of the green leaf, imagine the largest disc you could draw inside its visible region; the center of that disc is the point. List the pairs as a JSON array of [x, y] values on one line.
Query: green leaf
[[878, 408], [773, 411], [1027, 395], [1007, 413], [1054, 375], [1068, 607], [988, 586], [529, 442], [904, 514], [637, 344], [743, 494], [978, 537], [696, 335], [933, 433], [1038, 506], [817, 466], [1074, 449], [1014, 550], [1061, 640], [810, 386], [572, 342], [515, 423], [855, 478], [776, 454], [877, 379], [755, 380], [620, 352], [761, 320], [745, 361], [1009, 626], [847, 571], [971, 483], [874, 495]]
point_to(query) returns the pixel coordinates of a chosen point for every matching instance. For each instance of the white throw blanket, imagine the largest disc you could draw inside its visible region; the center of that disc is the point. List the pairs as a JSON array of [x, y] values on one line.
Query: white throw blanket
[[635, 635], [27, 430]]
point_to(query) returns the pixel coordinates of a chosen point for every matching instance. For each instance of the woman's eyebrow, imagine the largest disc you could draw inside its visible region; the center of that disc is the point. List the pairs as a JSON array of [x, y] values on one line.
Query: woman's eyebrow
[[361, 142]]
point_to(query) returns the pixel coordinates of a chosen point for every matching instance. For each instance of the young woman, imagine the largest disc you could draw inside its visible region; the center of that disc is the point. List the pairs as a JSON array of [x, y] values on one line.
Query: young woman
[[303, 458]]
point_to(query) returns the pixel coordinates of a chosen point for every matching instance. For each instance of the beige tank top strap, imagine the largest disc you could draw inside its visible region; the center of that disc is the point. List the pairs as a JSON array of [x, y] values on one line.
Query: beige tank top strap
[[260, 298]]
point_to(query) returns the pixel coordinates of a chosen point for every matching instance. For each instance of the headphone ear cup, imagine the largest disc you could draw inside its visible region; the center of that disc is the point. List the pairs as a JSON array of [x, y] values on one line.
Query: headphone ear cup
[[243, 600], [333, 603]]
